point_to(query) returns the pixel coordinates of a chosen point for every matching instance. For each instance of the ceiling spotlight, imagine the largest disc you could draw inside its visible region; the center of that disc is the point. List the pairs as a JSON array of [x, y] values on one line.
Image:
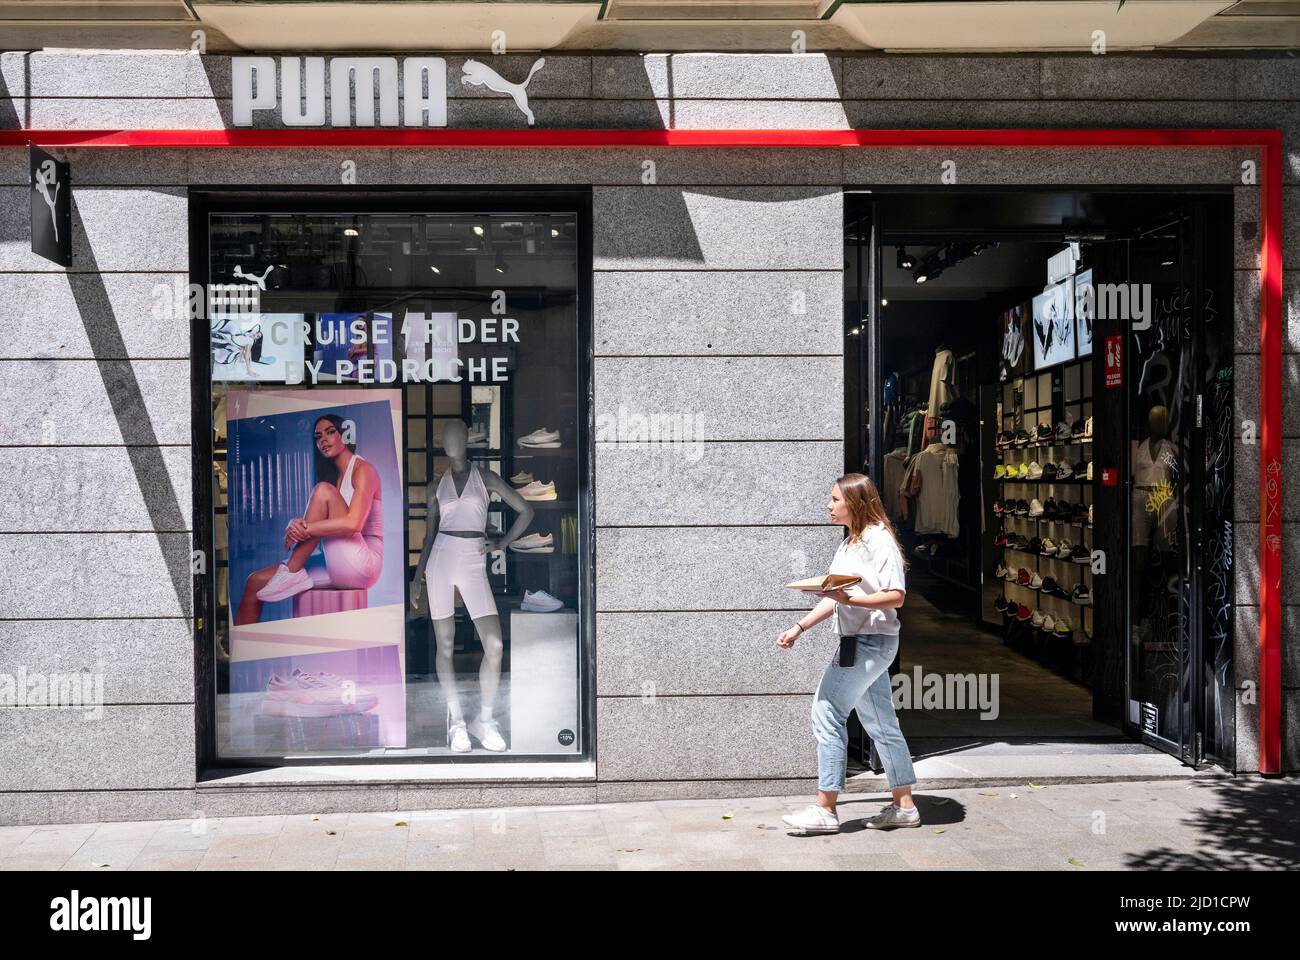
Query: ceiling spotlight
[[554, 232], [884, 301], [478, 229], [351, 232], [905, 260], [434, 268]]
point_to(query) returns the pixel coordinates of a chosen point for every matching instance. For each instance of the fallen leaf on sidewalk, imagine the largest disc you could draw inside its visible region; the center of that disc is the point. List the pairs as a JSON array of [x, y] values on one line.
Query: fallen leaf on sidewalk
[[401, 823], [760, 826], [314, 819], [1075, 863], [938, 829], [330, 833], [1035, 786], [1013, 796], [630, 850], [728, 815], [93, 864], [989, 793]]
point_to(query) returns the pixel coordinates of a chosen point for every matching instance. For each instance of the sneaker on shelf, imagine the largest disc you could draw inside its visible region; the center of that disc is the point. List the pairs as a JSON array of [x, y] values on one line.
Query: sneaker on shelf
[[1089, 469], [1063, 549], [534, 543], [1000, 571], [1035, 581], [1037, 619], [999, 472], [1080, 554], [1049, 623], [1064, 431], [1034, 471], [1035, 545], [1081, 595], [1064, 471], [476, 438], [541, 439], [1090, 514], [1011, 576], [458, 738], [1044, 432], [1049, 585], [522, 479], [488, 734], [812, 819], [1023, 613], [1023, 577], [540, 602], [1064, 627], [891, 817], [538, 491], [1000, 604], [1022, 437], [285, 584], [1035, 507], [1087, 428], [1049, 471], [1048, 547]]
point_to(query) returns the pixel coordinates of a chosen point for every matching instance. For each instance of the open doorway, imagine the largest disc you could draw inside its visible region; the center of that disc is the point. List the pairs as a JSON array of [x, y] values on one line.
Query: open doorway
[[1033, 378]]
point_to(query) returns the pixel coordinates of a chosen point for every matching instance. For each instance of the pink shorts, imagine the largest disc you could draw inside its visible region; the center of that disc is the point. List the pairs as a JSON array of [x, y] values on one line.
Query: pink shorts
[[351, 563]]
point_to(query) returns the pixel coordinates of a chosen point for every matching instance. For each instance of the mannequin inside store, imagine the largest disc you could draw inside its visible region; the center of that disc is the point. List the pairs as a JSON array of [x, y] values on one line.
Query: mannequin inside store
[[1042, 499]]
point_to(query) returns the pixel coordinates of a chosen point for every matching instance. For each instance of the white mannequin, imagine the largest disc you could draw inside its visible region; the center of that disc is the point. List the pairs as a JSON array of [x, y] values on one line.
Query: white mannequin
[[454, 439]]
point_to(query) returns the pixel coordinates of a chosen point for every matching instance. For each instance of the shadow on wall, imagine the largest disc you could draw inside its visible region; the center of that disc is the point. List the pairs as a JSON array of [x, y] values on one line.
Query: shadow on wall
[[129, 411], [10, 102]]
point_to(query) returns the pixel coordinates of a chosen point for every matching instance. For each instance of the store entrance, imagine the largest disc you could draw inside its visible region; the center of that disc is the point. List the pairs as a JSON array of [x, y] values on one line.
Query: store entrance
[[1033, 378]]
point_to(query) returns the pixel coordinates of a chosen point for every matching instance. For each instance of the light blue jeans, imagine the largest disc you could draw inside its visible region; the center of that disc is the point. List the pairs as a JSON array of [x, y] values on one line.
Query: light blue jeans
[[864, 686]]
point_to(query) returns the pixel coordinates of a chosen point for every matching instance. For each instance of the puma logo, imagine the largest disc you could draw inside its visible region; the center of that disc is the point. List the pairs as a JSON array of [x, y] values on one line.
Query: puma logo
[[45, 176], [478, 74], [260, 281]]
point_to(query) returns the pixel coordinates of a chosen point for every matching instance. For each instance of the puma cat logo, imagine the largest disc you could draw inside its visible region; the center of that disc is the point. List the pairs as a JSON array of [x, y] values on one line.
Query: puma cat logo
[[478, 74]]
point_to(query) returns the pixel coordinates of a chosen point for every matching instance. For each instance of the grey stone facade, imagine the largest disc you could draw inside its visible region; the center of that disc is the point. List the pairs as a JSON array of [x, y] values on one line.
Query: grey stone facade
[[95, 524]]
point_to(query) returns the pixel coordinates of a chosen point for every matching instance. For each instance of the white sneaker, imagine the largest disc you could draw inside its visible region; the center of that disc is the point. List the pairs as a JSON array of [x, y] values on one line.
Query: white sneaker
[[458, 739], [540, 602], [476, 438], [284, 585], [538, 491], [1035, 582], [521, 479], [812, 819], [892, 816], [543, 438], [488, 734], [534, 543]]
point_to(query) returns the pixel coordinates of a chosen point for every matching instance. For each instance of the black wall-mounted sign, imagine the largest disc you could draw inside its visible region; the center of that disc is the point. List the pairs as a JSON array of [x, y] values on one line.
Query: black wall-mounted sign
[[51, 207]]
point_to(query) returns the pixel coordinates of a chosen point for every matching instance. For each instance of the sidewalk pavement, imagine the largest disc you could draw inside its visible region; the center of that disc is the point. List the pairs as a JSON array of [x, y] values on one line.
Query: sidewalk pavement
[[1221, 823]]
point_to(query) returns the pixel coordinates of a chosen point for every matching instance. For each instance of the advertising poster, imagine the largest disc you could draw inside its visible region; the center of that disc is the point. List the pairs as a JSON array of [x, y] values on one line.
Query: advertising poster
[[340, 337], [1015, 324], [250, 347], [1085, 312], [1053, 325], [316, 569]]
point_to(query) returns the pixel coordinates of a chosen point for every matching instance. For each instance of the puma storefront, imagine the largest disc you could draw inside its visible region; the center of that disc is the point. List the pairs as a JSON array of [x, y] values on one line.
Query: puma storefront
[[422, 431]]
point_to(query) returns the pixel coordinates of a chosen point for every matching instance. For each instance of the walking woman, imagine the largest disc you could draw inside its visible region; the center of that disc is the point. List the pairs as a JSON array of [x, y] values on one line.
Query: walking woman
[[865, 617]]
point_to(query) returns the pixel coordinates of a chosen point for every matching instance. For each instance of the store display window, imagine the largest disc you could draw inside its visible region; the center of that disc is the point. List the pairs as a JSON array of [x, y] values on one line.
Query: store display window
[[398, 489]]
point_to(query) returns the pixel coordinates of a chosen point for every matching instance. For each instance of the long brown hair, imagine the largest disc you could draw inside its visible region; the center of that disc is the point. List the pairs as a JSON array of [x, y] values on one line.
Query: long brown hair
[[865, 508]]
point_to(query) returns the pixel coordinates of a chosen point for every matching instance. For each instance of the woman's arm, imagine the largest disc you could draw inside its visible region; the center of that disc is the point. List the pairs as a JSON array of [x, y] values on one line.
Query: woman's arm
[[881, 600], [824, 608], [365, 483]]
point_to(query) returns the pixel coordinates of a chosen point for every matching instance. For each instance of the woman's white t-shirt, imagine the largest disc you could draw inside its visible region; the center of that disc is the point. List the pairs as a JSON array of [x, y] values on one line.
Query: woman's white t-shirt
[[876, 559]]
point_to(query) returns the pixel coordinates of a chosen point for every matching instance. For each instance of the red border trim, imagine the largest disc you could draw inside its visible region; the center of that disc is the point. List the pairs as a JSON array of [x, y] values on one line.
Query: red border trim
[[1269, 142]]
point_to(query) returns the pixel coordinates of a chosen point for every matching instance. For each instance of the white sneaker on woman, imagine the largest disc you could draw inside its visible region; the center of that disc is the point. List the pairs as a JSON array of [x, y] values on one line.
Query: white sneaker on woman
[[813, 819], [284, 585], [892, 816]]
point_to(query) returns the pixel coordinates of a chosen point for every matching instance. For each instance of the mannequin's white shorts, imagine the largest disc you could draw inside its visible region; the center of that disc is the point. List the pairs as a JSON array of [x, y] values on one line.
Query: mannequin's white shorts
[[458, 563]]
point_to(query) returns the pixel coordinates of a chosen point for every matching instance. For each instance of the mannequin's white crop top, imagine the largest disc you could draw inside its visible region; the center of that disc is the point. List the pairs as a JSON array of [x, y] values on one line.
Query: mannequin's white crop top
[[466, 513]]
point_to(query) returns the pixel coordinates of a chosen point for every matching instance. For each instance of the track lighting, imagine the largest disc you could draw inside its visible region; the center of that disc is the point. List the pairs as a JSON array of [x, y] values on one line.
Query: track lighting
[[905, 260]]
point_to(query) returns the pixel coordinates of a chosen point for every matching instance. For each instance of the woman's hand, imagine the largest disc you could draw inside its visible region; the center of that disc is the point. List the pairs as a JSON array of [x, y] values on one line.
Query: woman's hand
[[296, 532], [490, 545], [788, 637], [838, 595], [417, 589]]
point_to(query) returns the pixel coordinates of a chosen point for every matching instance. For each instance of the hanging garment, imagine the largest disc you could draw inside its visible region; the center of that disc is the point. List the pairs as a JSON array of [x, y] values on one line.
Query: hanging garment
[[941, 381], [931, 480], [895, 467]]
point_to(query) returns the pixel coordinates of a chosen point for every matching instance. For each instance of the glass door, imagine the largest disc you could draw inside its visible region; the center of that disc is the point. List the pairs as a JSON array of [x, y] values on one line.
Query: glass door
[[1162, 319]]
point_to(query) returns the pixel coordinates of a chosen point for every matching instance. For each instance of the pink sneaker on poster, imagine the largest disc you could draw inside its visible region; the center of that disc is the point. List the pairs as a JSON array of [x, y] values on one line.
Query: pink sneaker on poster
[[285, 584], [360, 698], [304, 696]]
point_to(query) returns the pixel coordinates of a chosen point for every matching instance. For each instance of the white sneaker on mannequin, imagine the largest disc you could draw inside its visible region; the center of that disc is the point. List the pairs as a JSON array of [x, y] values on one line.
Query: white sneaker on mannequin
[[488, 734], [458, 739]]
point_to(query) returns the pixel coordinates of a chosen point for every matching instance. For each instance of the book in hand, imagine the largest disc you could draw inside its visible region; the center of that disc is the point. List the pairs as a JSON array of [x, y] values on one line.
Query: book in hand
[[830, 581]]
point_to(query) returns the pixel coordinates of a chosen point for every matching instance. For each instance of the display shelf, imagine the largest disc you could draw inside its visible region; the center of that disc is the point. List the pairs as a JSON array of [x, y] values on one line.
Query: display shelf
[[1043, 443], [1058, 523], [1071, 480]]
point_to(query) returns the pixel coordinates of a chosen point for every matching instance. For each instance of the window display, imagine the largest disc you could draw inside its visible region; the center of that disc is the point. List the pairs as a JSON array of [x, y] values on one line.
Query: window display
[[396, 513]]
